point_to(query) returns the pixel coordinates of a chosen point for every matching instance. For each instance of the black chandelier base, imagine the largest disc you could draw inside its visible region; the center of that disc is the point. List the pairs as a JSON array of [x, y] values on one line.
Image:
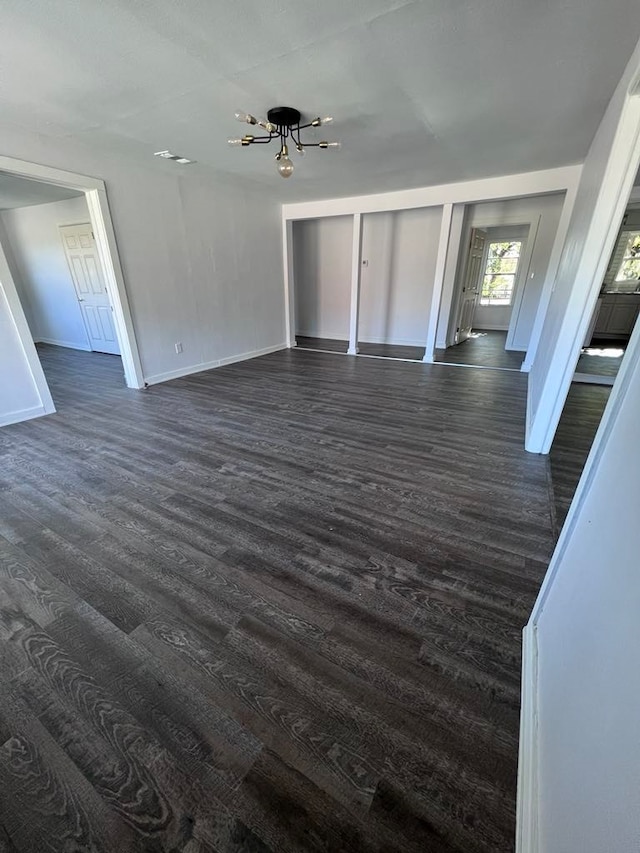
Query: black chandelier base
[[284, 116]]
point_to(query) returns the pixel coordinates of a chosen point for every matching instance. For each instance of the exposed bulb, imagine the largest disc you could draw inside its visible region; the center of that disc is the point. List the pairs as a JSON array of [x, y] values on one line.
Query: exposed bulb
[[249, 119], [269, 126], [236, 141], [285, 166], [336, 145], [326, 120], [300, 150]]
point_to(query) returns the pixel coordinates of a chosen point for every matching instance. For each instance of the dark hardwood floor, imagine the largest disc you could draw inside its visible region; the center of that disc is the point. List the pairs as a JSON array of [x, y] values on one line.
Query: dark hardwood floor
[[601, 358], [324, 344], [272, 607], [381, 350], [578, 425], [484, 349]]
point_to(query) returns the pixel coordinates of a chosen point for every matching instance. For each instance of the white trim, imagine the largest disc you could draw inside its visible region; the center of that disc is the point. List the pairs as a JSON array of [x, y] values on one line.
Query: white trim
[[108, 251], [396, 342], [49, 175], [210, 365], [8, 287], [522, 279], [592, 379], [450, 274], [550, 278], [466, 192], [67, 344], [528, 801], [630, 364], [495, 327], [100, 216], [356, 263], [599, 241], [438, 283], [289, 282], [24, 415]]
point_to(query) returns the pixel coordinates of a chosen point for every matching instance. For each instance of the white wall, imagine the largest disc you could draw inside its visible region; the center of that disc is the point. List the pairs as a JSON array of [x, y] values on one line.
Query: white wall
[[605, 183], [547, 209], [23, 389], [396, 285], [41, 272], [19, 395], [588, 633], [322, 276], [201, 255]]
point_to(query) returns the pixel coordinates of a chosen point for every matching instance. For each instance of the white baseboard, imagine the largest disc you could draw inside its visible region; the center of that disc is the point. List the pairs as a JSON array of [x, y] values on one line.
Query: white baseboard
[[494, 327], [23, 415], [592, 379], [68, 344], [393, 343], [527, 829], [210, 365], [368, 340]]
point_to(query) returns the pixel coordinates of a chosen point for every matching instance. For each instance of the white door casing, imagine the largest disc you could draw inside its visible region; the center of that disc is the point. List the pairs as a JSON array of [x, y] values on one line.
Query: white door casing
[[88, 280], [470, 285]]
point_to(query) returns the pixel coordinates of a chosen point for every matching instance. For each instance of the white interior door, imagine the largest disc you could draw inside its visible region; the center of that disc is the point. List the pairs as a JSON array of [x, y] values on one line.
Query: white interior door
[[86, 272], [470, 285]]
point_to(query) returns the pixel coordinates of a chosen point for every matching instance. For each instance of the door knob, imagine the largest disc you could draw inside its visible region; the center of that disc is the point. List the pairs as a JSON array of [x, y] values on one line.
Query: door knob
[[80, 299]]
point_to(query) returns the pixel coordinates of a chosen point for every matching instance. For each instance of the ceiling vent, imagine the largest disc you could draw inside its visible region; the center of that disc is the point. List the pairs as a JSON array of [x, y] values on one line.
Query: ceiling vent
[[169, 155]]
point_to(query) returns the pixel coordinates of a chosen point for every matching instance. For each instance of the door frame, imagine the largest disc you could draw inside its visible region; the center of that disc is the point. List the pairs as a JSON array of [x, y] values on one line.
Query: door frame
[[100, 217], [533, 224]]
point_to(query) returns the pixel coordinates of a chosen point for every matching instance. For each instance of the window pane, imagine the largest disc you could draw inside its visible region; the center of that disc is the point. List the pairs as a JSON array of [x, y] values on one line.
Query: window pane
[[629, 270], [505, 249], [502, 265], [500, 272], [497, 289]]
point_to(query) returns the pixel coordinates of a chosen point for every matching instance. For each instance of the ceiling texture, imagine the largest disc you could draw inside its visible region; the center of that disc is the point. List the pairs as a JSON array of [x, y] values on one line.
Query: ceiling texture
[[422, 92], [20, 192]]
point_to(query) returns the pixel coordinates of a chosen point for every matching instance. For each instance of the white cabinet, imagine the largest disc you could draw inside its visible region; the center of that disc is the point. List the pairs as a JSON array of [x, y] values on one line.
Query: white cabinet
[[617, 315]]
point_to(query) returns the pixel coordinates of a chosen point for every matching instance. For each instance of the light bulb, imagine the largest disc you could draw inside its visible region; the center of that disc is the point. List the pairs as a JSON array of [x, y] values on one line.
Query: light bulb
[[285, 166], [300, 149], [335, 145], [326, 120], [236, 141], [240, 116], [269, 126]]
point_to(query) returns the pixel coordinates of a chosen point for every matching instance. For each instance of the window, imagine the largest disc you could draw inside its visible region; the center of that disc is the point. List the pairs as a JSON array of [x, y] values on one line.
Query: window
[[629, 269], [500, 272]]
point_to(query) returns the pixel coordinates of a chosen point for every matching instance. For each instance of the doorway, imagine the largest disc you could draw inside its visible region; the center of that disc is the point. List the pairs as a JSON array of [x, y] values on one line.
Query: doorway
[[488, 289], [61, 279], [49, 245]]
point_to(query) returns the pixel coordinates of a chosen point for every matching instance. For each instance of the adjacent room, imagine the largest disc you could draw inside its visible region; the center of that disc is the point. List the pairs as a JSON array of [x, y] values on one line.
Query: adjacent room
[[319, 382], [48, 241]]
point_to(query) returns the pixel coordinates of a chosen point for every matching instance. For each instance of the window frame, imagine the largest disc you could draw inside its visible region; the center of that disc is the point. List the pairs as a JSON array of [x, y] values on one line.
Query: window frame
[[515, 274]]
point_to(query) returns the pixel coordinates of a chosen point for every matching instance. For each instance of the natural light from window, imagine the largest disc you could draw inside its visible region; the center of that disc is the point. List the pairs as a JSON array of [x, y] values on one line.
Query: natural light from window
[[629, 269], [500, 272]]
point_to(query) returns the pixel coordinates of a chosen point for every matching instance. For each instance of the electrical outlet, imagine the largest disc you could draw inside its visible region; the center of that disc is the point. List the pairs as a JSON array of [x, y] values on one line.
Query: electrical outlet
[[178, 347]]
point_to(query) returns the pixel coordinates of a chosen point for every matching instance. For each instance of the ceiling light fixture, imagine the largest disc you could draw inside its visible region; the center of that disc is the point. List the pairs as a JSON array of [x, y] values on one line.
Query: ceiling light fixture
[[168, 155], [282, 123]]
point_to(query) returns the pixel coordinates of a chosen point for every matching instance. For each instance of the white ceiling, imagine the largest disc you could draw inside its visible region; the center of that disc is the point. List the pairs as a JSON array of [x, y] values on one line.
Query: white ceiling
[[422, 92], [20, 192]]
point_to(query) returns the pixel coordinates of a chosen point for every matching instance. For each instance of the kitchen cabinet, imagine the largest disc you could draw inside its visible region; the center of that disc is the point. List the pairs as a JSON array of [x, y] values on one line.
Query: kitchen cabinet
[[617, 314]]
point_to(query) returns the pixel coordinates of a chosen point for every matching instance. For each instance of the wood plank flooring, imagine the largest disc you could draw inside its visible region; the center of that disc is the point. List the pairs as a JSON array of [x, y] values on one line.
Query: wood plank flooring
[[485, 350], [578, 425], [272, 607]]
